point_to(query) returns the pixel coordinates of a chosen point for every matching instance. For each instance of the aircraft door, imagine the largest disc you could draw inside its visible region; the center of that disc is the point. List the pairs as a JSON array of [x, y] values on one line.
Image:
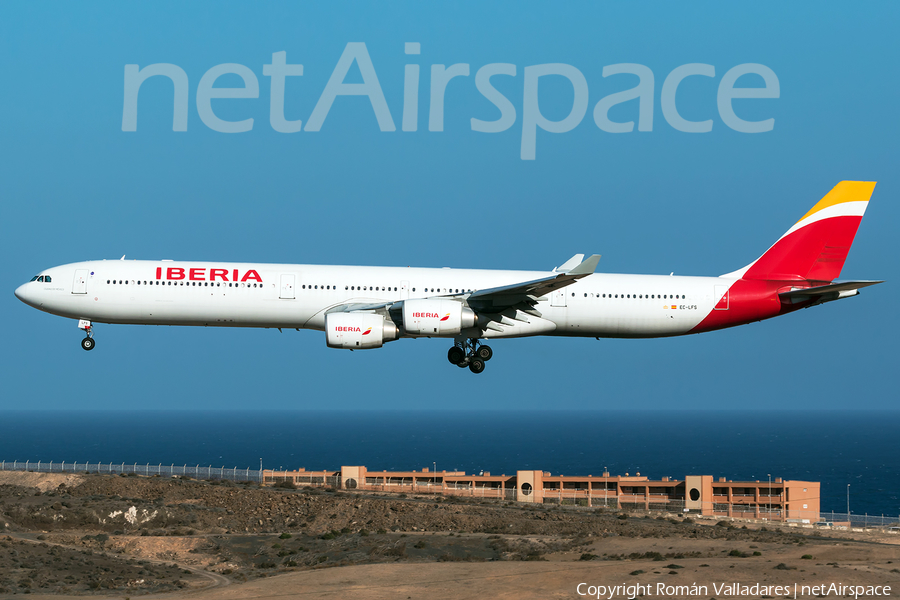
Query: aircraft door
[[287, 286], [558, 297], [79, 285], [720, 295], [404, 290]]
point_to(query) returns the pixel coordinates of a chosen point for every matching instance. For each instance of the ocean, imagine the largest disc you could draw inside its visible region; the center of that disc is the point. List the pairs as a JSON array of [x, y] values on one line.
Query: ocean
[[834, 448]]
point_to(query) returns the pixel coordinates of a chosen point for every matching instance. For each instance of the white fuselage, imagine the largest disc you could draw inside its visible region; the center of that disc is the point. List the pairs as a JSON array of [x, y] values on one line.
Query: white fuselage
[[298, 296]]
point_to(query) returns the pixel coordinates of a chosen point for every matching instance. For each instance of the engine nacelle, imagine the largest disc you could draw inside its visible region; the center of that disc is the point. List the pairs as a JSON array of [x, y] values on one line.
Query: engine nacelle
[[436, 316], [358, 331]]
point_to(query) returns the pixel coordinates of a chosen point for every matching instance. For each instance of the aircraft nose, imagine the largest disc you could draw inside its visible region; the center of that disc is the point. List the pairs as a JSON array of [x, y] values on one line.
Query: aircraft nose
[[24, 294]]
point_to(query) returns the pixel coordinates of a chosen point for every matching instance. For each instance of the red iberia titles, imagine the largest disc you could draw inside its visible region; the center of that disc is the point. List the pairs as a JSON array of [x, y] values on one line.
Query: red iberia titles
[[204, 274]]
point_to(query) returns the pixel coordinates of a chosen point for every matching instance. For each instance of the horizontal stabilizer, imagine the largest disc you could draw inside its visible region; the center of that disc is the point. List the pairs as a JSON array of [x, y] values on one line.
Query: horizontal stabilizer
[[836, 290]]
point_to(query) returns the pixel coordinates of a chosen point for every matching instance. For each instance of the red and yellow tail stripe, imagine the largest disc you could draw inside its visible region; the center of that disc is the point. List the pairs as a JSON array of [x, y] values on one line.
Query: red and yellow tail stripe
[[816, 247]]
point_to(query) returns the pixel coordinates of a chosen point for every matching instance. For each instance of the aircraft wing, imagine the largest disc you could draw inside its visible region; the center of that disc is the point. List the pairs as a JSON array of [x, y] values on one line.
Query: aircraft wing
[[528, 292], [494, 300]]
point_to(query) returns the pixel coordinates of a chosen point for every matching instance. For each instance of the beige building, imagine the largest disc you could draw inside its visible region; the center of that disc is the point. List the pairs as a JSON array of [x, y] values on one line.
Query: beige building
[[777, 500]]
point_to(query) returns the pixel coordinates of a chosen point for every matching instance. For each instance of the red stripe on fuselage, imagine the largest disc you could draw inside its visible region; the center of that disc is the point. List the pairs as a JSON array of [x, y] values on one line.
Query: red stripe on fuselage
[[749, 301]]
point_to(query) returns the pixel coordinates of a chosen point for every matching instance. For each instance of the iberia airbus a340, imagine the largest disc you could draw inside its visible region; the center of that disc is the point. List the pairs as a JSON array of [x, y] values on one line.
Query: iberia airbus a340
[[364, 307]]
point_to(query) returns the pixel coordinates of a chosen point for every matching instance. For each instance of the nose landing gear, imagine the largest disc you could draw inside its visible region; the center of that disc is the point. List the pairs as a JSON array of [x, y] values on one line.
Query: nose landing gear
[[88, 342], [470, 353]]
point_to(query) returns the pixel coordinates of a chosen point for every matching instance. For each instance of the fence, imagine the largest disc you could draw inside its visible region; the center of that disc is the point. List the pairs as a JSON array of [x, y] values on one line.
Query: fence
[[149, 470], [859, 521]]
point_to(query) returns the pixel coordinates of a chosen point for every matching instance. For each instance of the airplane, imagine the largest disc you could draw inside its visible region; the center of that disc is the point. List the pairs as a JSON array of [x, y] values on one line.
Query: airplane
[[361, 307]]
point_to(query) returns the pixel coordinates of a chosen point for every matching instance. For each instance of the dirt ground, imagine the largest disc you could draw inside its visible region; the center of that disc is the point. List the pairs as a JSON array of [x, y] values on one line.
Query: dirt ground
[[65, 536]]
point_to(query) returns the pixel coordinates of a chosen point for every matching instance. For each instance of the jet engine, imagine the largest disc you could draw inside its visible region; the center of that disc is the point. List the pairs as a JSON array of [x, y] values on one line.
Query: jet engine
[[358, 331], [436, 316]]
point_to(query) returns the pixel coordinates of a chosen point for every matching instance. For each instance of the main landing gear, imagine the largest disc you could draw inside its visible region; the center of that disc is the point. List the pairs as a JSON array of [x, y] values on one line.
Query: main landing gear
[[88, 342], [470, 353]]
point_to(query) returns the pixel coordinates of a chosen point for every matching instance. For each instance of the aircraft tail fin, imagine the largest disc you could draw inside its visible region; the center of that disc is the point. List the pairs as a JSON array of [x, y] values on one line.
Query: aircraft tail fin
[[816, 247]]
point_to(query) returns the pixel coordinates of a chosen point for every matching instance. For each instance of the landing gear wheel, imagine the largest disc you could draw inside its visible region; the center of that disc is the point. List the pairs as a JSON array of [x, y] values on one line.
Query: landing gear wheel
[[462, 364], [87, 343], [484, 353], [476, 365], [456, 355]]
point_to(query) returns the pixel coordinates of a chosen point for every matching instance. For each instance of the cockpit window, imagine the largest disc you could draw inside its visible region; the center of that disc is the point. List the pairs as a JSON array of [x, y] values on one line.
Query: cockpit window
[[47, 279], [34, 278]]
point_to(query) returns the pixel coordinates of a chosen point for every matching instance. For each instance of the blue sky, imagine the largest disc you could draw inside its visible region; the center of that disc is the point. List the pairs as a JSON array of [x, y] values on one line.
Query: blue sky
[[75, 186]]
